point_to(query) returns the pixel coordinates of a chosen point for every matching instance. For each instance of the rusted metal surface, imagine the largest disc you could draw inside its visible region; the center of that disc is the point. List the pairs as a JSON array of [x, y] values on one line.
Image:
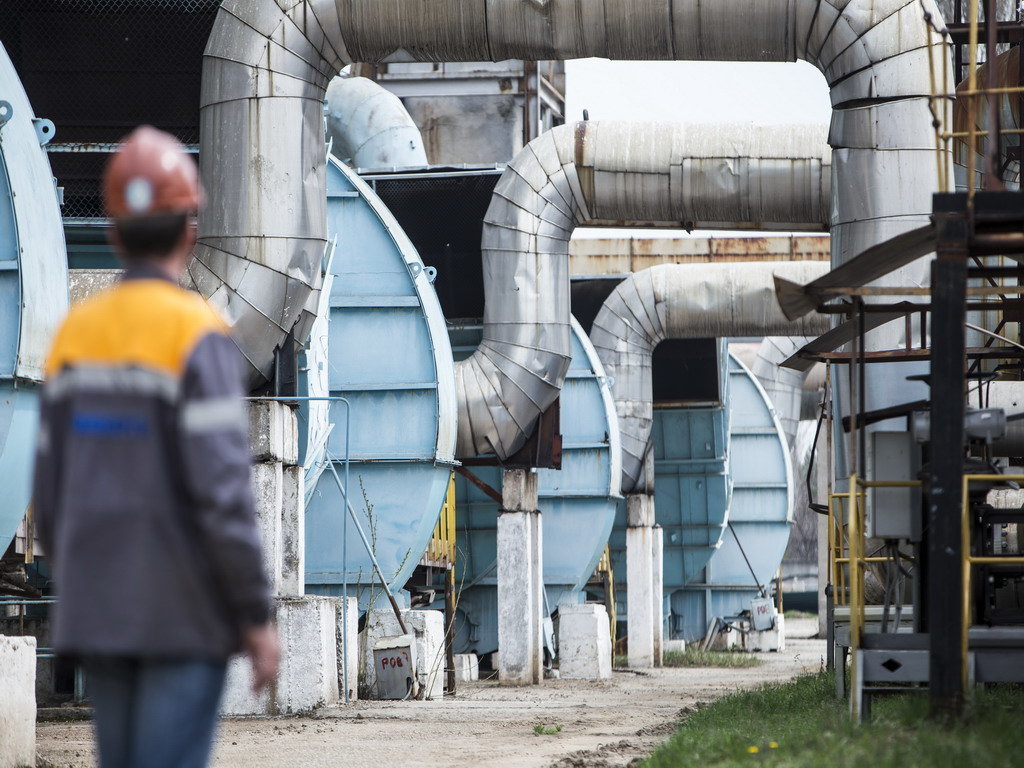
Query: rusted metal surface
[[622, 255]]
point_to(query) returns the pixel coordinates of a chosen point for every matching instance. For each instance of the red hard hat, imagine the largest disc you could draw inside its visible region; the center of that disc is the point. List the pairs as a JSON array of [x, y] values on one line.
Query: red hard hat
[[149, 175]]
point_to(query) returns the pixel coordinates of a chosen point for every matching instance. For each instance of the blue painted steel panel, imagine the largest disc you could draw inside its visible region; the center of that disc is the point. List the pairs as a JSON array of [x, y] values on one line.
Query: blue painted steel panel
[[19, 418], [10, 285], [692, 488], [33, 287], [760, 515], [577, 502], [389, 355]]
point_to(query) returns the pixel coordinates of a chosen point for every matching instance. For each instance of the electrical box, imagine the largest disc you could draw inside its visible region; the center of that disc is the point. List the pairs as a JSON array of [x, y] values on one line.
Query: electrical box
[[394, 660], [894, 513], [762, 613]]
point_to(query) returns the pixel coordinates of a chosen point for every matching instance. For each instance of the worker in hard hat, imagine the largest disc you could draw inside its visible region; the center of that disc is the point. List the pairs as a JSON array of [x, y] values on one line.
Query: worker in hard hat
[[142, 491]]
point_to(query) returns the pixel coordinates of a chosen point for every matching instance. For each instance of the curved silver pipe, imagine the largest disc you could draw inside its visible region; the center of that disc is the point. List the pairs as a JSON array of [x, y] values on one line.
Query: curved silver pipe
[[717, 176], [684, 301], [369, 126], [784, 386], [268, 63]]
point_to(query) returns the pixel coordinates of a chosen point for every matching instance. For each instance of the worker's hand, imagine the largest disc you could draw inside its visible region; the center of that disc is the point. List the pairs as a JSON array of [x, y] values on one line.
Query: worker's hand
[[264, 651]]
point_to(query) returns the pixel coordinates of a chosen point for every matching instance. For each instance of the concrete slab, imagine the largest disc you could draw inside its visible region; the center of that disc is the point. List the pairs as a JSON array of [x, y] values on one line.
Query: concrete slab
[[268, 493], [520, 598], [348, 646], [293, 533], [640, 597], [584, 642], [770, 639], [467, 667], [308, 677], [17, 702], [428, 628], [271, 431]]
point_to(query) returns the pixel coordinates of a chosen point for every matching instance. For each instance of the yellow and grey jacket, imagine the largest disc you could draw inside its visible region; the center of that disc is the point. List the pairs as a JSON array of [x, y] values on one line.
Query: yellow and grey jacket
[[142, 491]]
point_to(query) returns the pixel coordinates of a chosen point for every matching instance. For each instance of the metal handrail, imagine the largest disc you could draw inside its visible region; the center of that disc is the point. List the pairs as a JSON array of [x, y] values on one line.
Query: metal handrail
[[968, 560]]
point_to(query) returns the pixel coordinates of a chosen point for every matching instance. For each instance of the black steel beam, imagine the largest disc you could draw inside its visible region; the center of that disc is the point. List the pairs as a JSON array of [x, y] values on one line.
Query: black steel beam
[[949, 303]]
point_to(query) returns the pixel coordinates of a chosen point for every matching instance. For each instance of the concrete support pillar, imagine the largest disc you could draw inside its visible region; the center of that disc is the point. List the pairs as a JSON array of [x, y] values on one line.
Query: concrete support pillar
[[17, 701], [641, 593], [520, 581], [278, 490], [306, 625], [658, 592]]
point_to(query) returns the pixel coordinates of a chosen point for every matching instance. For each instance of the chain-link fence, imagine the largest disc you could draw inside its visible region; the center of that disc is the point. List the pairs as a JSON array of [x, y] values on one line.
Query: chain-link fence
[[98, 68]]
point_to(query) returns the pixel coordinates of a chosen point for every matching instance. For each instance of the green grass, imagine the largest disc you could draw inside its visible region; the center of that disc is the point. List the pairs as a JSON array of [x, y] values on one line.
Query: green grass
[[694, 657], [543, 730], [809, 728], [794, 614]]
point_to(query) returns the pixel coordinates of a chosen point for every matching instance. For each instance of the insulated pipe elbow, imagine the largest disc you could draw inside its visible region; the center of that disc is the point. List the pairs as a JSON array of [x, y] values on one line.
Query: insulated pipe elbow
[[268, 63], [603, 172], [370, 127], [685, 301]]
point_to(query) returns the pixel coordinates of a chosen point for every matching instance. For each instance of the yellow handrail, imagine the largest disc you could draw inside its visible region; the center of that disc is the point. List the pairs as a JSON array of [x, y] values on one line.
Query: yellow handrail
[[968, 560]]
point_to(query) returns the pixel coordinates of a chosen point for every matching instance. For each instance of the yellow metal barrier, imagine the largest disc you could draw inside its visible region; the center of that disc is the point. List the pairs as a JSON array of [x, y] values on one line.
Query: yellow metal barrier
[[441, 547], [968, 560], [847, 520]]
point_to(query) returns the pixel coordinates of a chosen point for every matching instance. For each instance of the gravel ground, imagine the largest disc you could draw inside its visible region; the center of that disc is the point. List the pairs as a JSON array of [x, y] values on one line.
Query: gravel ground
[[609, 723]]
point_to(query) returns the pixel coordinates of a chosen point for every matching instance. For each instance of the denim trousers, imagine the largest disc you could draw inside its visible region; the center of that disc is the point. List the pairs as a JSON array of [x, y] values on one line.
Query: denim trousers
[[154, 713]]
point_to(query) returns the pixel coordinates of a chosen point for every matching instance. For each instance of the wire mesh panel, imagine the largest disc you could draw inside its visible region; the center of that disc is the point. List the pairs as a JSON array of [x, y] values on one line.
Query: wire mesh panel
[[442, 213], [98, 68]]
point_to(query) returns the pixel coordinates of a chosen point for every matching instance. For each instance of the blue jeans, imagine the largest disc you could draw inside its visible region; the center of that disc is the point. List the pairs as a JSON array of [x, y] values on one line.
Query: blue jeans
[[154, 713]]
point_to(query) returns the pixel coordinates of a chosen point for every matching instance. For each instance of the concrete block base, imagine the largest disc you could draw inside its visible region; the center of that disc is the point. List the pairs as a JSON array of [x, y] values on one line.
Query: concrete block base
[[584, 642], [428, 628], [770, 639], [17, 702], [674, 646], [308, 677], [467, 667]]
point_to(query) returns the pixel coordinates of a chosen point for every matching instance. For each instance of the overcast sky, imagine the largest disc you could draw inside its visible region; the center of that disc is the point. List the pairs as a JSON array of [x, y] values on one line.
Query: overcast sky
[[694, 91]]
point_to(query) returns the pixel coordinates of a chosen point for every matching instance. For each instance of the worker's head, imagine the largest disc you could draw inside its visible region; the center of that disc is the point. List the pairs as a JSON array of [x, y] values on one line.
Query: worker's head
[[152, 194]]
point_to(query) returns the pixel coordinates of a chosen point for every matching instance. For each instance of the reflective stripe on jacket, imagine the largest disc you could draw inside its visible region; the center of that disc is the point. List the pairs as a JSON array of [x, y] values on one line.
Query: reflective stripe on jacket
[[142, 491]]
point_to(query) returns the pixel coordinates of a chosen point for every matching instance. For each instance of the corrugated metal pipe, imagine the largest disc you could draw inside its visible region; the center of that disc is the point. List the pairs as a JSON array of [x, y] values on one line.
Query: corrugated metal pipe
[[369, 126], [718, 176], [784, 386], [268, 63], [684, 301]]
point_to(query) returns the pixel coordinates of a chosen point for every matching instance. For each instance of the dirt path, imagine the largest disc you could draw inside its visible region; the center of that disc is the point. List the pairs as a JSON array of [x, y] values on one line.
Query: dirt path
[[610, 723]]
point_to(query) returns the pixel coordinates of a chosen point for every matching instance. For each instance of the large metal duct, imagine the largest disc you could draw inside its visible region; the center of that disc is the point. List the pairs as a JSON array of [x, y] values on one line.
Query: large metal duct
[[680, 301], [653, 174], [369, 126], [784, 386], [268, 64]]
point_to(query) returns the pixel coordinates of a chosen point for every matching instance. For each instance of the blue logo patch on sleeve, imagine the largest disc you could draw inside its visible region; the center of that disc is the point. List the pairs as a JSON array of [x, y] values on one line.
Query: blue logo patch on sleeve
[[110, 425]]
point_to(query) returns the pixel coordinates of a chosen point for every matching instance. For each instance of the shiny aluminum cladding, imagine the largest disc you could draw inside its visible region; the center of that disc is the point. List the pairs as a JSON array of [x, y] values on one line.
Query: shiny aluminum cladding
[[685, 301], [263, 158]]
